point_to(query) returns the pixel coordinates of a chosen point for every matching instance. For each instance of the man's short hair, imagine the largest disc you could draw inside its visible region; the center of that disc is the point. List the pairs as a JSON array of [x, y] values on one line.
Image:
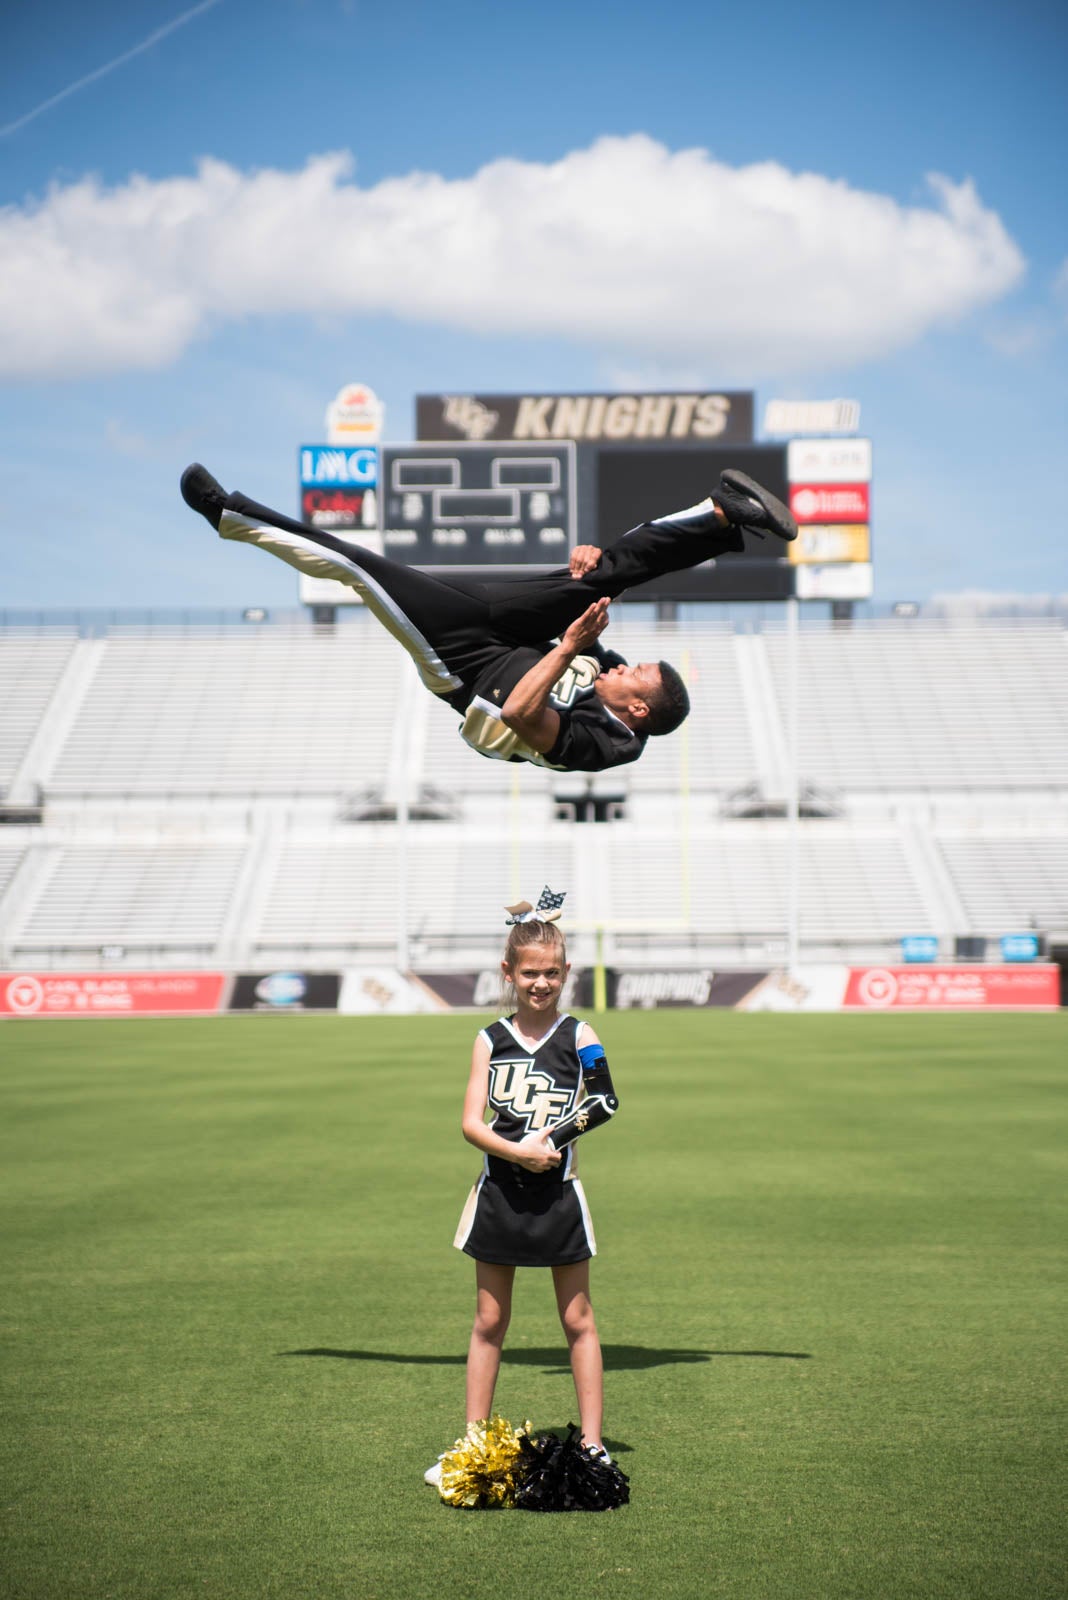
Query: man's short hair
[[669, 705]]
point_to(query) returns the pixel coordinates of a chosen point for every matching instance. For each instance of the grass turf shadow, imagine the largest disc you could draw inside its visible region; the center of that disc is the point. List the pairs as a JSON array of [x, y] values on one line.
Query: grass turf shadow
[[617, 1357]]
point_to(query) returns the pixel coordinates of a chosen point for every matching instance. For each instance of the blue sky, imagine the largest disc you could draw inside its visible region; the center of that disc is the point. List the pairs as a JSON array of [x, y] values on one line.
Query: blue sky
[[214, 216]]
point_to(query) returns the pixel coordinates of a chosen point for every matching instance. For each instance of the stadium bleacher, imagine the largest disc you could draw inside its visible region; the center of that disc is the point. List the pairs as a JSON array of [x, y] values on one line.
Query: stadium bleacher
[[927, 706], [31, 666], [237, 795], [249, 713], [1009, 883]]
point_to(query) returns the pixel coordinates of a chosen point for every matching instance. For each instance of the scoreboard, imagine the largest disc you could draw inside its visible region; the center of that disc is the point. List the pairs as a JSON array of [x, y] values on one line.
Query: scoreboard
[[633, 456], [634, 484], [463, 505], [511, 483]]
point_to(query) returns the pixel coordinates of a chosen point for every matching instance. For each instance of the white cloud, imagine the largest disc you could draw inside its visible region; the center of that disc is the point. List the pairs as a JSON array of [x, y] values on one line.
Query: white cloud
[[626, 246]]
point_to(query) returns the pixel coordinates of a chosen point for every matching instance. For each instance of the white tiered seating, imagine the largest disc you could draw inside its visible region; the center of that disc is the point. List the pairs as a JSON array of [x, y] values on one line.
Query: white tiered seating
[[930, 734], [10, 856], [30, 668], [1009, 884], [929, 706], [732, 882], [256, 712], [340, 891], [450, 765], [137, 896], [713, 751]]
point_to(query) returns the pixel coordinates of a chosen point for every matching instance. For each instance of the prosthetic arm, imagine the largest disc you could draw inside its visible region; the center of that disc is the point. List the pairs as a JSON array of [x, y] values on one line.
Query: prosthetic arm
[[601, 1102]]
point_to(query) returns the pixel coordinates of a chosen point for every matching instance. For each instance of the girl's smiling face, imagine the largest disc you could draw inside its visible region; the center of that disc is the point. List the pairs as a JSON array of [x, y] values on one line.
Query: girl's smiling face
[[538, 976]]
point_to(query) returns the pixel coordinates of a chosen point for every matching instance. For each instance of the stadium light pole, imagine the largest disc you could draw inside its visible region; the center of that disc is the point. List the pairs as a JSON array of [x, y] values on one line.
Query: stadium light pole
[[402, 872], [793, 796]]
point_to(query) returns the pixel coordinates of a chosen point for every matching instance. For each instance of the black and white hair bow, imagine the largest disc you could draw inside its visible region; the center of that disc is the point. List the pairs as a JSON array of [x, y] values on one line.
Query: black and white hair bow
[[546, 910]]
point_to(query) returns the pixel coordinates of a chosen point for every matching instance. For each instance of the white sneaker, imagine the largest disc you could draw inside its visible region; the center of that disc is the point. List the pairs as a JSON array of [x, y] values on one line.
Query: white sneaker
[[599, 1453], [432, 1475]]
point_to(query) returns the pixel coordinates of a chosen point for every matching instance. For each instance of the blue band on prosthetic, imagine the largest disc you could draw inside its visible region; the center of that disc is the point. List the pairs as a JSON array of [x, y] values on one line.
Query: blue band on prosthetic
[[601, 1101]]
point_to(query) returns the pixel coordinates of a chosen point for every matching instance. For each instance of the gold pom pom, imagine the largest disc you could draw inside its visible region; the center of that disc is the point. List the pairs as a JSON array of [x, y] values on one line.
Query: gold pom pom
[[480, 1469]]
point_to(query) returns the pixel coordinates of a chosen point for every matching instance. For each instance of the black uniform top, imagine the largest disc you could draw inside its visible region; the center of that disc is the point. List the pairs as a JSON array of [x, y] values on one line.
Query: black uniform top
[[590, 738], [531, 1089]]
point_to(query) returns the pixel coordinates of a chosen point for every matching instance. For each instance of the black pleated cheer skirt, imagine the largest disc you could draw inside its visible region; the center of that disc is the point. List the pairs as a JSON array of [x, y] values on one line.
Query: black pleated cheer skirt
[[522, 1224]]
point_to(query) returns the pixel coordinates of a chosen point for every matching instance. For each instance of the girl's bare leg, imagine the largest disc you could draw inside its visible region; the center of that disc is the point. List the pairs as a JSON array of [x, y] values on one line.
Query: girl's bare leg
[[493, 1311], [572, 1285]]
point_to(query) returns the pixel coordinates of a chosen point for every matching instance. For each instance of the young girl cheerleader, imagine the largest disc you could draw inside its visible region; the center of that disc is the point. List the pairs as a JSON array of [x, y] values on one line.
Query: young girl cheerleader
[[544, 1076]]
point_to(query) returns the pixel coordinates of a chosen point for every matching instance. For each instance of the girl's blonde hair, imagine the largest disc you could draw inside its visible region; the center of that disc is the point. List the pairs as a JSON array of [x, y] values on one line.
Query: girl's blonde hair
[[521, 936]]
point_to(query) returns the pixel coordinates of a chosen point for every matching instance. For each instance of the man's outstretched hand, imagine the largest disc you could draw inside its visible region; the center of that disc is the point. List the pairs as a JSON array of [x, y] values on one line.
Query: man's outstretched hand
[[587, 628], [527, 710], [584, 558]]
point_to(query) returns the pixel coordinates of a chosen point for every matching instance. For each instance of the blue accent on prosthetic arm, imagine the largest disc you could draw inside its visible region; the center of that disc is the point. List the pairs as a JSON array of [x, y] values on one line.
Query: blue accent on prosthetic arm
[[589, 1055], [599, 1106]]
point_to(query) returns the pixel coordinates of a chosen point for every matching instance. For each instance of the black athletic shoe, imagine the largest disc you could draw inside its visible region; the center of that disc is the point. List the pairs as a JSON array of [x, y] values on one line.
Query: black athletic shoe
[[203, 493], [746, 504]]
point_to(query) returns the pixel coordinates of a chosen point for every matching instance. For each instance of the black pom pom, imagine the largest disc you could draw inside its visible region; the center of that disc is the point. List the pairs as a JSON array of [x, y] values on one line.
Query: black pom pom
[[555, 1474]]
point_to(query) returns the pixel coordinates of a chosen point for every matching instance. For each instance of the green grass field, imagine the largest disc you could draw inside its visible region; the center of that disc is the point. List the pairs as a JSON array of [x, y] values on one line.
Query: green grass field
[[830, 1291]]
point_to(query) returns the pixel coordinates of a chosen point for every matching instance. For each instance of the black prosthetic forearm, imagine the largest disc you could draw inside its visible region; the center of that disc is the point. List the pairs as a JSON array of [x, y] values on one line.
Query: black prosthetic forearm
[[599, 1106]]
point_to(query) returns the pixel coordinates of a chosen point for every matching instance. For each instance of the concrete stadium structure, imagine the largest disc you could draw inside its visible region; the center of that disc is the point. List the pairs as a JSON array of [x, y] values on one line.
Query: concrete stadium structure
[[236, 796]]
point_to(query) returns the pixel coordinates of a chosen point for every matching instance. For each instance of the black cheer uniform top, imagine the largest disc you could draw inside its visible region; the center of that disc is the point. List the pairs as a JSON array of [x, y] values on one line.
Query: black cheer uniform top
[[513, 1216], [591, 737], [530, 1090]]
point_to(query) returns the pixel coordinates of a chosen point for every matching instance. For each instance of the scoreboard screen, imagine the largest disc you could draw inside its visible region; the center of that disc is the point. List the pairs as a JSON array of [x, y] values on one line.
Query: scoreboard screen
[[635, 484], [463, 505]]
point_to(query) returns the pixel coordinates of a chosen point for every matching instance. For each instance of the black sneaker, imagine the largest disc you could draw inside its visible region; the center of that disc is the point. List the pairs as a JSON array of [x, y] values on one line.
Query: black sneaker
[[203, 493], [746, 504]]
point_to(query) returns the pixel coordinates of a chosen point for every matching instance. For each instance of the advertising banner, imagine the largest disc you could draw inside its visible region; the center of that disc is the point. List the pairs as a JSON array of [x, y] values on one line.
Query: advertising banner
[[338, 485], [334, 508], [919, 947], [831, 502], [109, 994], [378, 991], [285, 991], [952, 988], [817, 988], [829, 460], [652, 417], [819, 544], [842, 580], [916, 988], [481, 990], [354, 416], [812, 416], [649, 989], [339, 492], [330, 466]]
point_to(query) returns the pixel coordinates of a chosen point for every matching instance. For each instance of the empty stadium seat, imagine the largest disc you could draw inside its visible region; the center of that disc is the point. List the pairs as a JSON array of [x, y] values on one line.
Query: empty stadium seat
[[204, 789]]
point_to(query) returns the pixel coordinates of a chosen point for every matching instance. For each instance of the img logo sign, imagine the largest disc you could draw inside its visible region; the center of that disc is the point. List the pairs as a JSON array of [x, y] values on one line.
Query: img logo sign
[[338, 466]]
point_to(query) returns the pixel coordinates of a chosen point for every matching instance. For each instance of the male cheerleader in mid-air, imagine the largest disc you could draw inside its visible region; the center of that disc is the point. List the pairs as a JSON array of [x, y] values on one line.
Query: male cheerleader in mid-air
[[519, 658]]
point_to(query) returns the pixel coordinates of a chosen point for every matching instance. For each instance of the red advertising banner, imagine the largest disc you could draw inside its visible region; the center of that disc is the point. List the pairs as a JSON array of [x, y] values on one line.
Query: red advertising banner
[[952, 988], [109, 994], [332, 507], [831, 502]]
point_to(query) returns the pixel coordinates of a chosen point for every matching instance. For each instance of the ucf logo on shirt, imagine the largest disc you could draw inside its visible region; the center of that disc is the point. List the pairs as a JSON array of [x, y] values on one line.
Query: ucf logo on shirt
[[575, 683], [528, 1095]]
